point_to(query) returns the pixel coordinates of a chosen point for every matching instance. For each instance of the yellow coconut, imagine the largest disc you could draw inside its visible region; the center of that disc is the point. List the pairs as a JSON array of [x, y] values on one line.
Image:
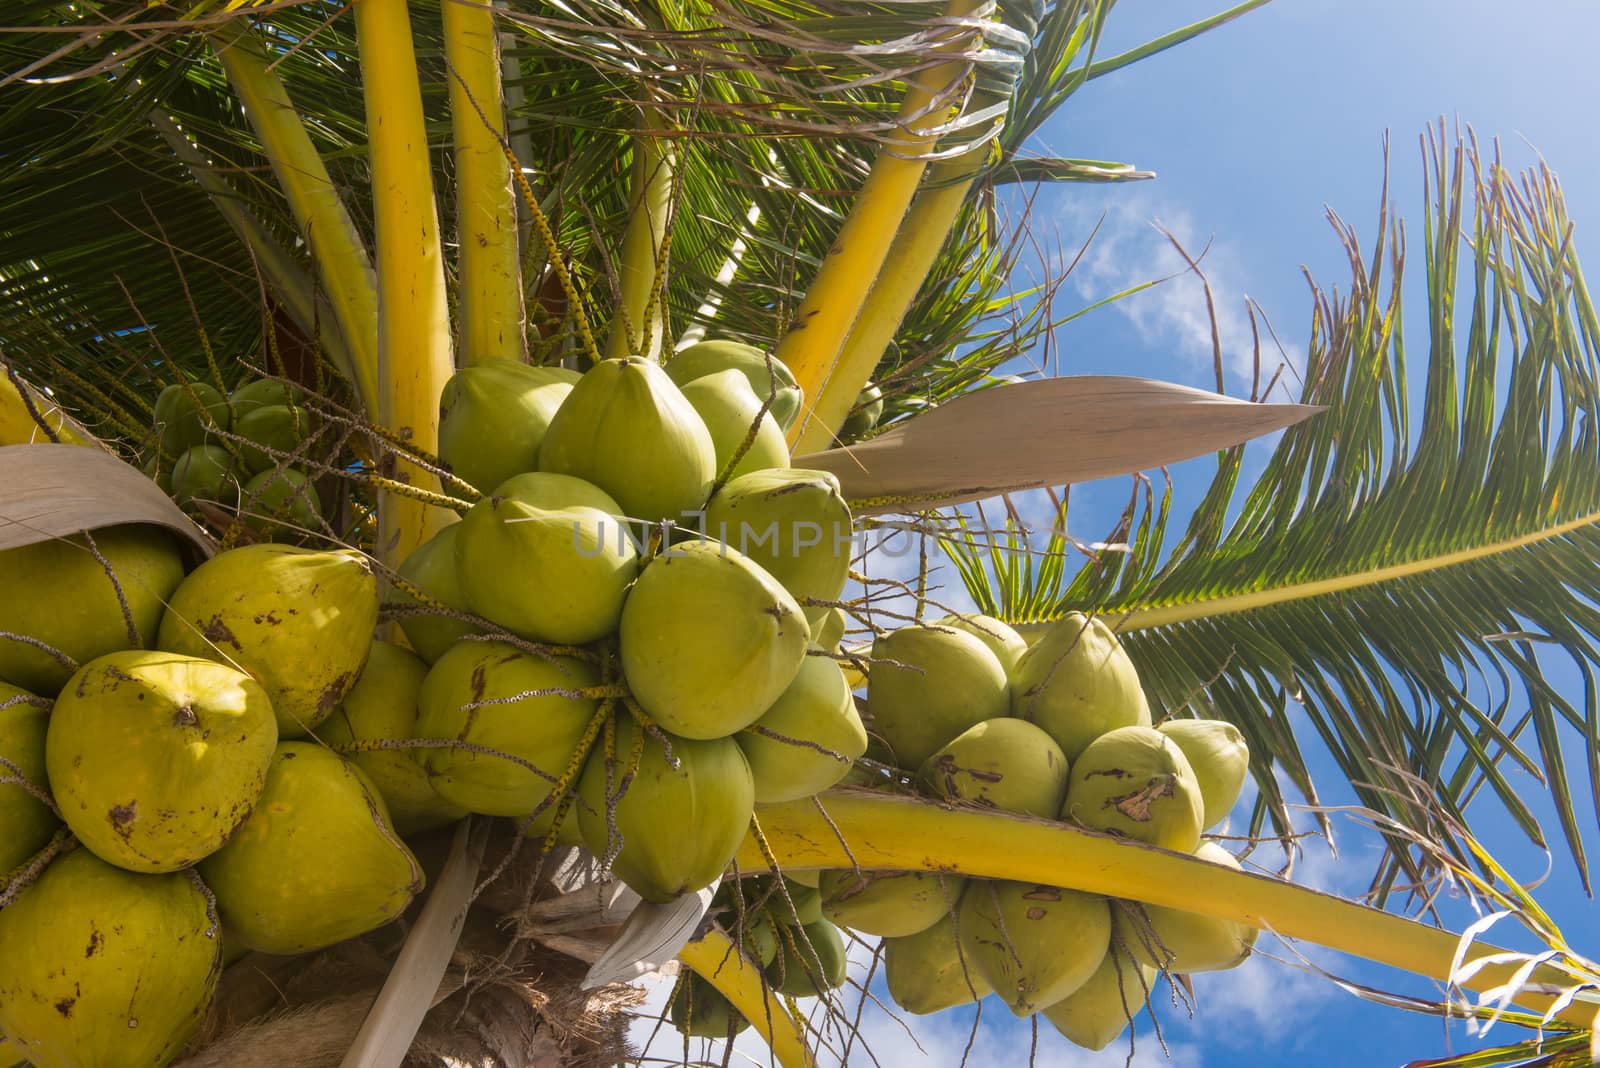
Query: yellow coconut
[[382, 706], [552, 492], [1184, 942], [1219, 757], [732, 413], [155, 758], [26, 824], [806, 741], [189, 414], [1136, 782], [1034, 944], [928, 972], [928, 684], [827, 628], [316, 862], [628, 429], [1102, 1008], [1077, 683], [811, 960], [431, 568], [1006, 763], [709, 792], [709, 640], [888, 903], [1006, 644], [493, 417], [792, 522], [699, 1009], [59, 595], [500, 700], [767, 376], [106, 968], [298, 621]]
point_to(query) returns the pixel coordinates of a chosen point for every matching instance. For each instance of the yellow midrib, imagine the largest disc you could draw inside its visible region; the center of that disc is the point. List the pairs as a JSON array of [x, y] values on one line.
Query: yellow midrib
[[1167, 615]]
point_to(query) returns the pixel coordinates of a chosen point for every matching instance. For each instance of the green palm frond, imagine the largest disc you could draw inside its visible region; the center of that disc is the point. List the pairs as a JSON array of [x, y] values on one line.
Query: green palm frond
[[1406, 570]]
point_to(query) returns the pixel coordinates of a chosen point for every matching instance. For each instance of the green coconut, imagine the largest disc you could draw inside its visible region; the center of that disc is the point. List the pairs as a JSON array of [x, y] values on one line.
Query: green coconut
[[827, 628], [1136, 782], [1220, 759], [1184, 942], [864, 415], [1006, 763], [279, 427], [552, 492], [1102, 1008], [431, 568], [26, 823], [493, 417], [698, 1009], [774, 380], [628, 429], [928, 972], [888, 903], [492, 695], [316, 862], [730, 408], [105, 968], [709, 640], [1077, 683], [207, 473], [1035, 945], [758, 937], [804, 903], [261, 393], [155, 758], [792, 522], [159, 470], [299, 621], [281, 502], [59, 595], [680, 827], [382, 706], [1006, 644], [806, 741], [928, 684], [548, 576], [811, 960], [189, 414]]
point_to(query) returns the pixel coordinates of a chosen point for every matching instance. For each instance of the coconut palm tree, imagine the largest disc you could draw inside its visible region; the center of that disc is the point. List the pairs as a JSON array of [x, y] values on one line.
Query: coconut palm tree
[[363, 201]]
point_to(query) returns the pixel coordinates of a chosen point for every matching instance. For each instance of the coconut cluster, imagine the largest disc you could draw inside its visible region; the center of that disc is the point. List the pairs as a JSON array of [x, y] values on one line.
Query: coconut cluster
[[164, 788], [234, 451]]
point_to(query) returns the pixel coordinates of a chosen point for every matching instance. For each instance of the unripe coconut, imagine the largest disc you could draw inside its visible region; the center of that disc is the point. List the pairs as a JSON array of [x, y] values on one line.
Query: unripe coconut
[[804, 903], [297, 620], [766, 379], [431, 568], [700, 1010], [549, 576], [1220, 760], [888, 903], [316, 862], [493, 417], [1006, 644], [261, 393], [680, 827], [277, 426], [730, 408], [927, 972], [811, 959], [154, 758], [627, 428], [926, 685], [1184, 942], [864, 415], [493, 695], [280, 502], [792, 522], [1005, 763], [1077, 683], [382, 706], [58, 594], [827, 628], [808, 739], [552, 492], [189, 414], [709, 640], [1102, 1008], [106, 968], [26, 823], [1136, 782], [757, 937], [205, 472], [1034, 944]]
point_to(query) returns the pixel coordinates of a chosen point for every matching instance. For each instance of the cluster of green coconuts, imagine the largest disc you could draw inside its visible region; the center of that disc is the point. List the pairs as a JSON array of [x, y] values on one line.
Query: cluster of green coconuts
[[230, 450]]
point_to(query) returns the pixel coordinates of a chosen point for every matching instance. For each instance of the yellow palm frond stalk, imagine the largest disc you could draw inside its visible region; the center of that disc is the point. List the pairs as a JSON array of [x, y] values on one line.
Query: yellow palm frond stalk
[[715, 959], [638, 326]]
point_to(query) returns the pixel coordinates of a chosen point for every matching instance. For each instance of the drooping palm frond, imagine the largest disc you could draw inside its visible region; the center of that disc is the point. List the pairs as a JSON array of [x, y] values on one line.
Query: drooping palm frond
[[1406, 569]]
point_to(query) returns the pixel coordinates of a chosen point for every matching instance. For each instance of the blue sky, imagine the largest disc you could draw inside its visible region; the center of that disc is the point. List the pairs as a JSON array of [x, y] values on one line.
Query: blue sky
[[1255, 131]]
